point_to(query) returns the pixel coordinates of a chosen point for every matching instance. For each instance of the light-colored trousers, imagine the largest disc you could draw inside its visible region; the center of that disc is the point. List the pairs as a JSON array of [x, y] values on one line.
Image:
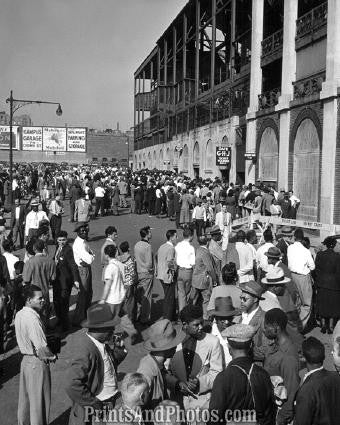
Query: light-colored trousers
[[34, 392], [304, 286]]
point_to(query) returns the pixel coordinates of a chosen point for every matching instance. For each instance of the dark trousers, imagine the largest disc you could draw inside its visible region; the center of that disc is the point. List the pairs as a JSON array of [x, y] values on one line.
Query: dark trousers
[[61, 300], [18, 230], [138, 206], [84, 296], [169, 302], [130, 303], [177, 216], [99, 207], [72, 209], [143, 296], [151, 206], [55, 224], [199, 227]]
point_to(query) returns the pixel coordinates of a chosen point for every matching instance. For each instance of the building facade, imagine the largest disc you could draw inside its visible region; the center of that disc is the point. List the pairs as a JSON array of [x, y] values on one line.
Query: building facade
[[259, 76]]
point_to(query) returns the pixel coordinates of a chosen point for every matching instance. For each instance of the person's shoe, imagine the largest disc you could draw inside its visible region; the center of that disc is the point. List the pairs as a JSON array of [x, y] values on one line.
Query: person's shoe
[[330, 330], [323, 329]]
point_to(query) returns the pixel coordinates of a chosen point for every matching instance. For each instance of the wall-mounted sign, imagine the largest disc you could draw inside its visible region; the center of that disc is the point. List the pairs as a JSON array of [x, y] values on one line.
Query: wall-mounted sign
[[54, 139], [5, 137], [223, 155], [250, 156], [76, 139], [32, 138]]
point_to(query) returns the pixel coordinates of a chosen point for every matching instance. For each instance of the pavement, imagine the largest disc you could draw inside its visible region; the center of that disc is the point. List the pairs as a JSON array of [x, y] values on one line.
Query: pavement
[[128, 226]]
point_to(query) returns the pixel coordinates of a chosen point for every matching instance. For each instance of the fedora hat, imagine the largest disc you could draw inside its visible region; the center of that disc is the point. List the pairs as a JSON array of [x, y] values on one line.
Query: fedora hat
[[215, 230], [275, 276], [273, 252], [34, 203], [79, 225], [100, 316], [163, 335], [224, 308], [252, 288], [286, 230]]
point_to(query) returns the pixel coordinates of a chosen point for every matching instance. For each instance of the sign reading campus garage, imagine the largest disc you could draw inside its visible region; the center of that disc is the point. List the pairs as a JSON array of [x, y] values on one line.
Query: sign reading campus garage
[[76, 139], [54, 139], [32, 138], [5, 137], [223, 155]]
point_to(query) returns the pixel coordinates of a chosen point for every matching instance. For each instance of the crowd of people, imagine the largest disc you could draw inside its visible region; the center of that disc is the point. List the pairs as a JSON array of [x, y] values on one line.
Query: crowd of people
[[237, 304]]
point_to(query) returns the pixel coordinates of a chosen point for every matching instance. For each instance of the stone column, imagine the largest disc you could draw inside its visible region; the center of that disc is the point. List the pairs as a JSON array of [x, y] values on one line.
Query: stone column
[[255, 84], [287, 90], [328, 94]]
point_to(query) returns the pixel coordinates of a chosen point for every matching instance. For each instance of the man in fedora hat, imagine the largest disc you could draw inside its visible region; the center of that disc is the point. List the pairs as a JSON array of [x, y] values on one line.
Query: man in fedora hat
[[243, 386], [163, 338], [32, 220], [91, 380], [215, 249], [223, 316], [84, 257]]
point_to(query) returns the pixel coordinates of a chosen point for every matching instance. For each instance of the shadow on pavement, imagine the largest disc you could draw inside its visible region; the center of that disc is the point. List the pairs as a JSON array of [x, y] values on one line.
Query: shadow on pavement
[[11, 367]]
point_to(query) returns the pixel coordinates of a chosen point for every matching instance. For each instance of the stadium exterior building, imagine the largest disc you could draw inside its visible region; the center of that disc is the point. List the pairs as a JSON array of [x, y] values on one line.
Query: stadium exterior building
[[257, 78]]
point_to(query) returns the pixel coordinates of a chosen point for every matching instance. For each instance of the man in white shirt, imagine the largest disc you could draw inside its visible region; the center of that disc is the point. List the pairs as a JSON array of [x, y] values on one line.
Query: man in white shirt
[[245, 253], [185, 260], [83, 257], [99, 192], [32, 221], [301, 263]]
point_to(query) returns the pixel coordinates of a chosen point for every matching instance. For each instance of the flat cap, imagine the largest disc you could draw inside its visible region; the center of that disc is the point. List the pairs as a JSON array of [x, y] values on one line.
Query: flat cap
[[239, 332]]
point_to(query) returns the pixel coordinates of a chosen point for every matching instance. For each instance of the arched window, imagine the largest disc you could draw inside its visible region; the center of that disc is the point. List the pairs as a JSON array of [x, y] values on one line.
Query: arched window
[[196, 154]]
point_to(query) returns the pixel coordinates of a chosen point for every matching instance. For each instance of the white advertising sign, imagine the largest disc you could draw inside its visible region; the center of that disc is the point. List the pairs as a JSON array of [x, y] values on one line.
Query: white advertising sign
[[5, 137], [54, 139], [32, 138], [76, 139]]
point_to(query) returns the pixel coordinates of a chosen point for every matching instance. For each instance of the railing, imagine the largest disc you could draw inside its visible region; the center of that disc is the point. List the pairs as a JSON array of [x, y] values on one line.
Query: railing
[[269, 98], [311, 21], [144, 101], [309, 86], [273, 43]]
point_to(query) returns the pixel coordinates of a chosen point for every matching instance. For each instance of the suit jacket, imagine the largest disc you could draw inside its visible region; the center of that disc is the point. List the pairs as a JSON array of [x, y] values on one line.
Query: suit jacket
[[204, 268], [84, 379], [21, 216], [67, 270], [317, 400], [165, 255], [149, 368], [207, 364], [82, 210], [327, 270]]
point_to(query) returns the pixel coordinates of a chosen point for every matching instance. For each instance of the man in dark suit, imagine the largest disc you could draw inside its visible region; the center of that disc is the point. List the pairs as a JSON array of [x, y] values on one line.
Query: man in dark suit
[[18, 222], [204, 275], [85, 384], [66, 276], [317, 400]]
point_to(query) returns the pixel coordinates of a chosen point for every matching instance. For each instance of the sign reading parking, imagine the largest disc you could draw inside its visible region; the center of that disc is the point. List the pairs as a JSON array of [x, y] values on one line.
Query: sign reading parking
[[223, 155]]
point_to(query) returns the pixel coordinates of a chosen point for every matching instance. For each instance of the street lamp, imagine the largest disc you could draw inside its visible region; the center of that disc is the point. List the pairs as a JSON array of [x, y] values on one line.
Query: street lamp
[[14, 105]]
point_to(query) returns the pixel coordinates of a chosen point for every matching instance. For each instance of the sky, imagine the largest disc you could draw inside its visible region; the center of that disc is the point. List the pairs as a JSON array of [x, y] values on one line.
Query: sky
[[81, 53]]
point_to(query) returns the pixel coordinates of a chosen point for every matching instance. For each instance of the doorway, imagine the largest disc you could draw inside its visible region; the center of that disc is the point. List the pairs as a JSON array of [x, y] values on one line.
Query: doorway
[[196, 172]]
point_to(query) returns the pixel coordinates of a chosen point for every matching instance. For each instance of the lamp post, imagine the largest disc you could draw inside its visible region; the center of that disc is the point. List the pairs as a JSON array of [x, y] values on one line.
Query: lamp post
[[14, 105]]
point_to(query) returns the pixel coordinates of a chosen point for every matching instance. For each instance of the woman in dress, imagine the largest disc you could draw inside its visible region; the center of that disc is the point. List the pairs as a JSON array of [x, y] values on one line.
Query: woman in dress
[[184, 216], [327, 279]]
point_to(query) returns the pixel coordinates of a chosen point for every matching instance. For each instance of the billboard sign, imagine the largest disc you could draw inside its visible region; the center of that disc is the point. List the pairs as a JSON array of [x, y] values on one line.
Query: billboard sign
[[54, 139], [223, 155], [32, 138], [5, 137], [76, 139]]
